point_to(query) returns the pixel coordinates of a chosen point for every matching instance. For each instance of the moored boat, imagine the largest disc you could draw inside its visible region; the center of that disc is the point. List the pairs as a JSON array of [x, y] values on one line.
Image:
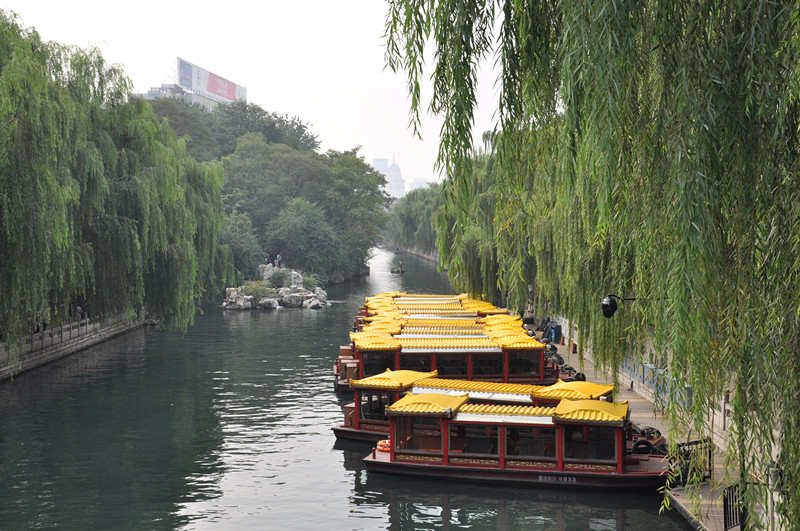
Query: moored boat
[[365, 418], [456, 336], [577, 443]]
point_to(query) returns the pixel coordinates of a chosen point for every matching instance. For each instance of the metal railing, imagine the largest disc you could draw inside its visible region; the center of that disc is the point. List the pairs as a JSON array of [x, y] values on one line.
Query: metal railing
[[695, 459], [734, 512]]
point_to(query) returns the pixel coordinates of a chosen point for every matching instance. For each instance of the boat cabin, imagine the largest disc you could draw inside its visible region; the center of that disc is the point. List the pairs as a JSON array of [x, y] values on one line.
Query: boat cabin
[[366, 419], [580, 442]]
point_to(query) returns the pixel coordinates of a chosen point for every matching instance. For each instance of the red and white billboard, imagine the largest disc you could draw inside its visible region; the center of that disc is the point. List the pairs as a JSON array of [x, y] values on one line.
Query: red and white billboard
[[200, 80]]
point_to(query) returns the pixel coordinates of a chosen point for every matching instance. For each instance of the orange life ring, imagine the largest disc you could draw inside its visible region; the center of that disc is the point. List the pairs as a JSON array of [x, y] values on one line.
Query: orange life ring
[[384, 445]]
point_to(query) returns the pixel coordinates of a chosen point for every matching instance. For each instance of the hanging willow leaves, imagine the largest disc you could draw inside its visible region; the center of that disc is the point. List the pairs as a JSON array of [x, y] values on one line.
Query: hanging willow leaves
[[98, 199], [643, 148]]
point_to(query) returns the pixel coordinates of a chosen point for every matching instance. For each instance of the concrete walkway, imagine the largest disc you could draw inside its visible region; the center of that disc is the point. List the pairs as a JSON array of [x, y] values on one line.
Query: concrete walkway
[[705, 512]]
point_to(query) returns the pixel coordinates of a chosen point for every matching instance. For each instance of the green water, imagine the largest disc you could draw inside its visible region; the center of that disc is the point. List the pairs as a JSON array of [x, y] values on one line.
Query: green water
[[228, 427]]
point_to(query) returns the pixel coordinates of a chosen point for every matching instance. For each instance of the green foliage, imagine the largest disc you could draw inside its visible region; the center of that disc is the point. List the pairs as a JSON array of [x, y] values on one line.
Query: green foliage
[[97, 198], [210, 135], [310, 282], [258, 289], [269, 160], [343, 207], [280, 278], [263, 177], [411, 220], [647, 149], [237, 234], [306, 240], [192, 123], [233, 120]]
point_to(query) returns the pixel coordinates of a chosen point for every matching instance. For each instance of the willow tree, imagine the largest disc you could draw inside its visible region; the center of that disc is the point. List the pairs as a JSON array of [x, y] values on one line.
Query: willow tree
[[648, 149], [98, 199]]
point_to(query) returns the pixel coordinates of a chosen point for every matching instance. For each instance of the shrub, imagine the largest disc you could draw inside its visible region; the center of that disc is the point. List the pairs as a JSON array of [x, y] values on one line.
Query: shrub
[[258, 289], [280, 278], [310, 282]]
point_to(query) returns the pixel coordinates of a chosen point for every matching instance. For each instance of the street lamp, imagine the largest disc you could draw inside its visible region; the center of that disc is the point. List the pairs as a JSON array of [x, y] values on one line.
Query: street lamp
[[609, 305]]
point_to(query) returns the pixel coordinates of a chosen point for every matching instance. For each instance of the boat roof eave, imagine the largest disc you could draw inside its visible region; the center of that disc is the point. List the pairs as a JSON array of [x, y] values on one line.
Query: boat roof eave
[[504, 419], [477, 395]]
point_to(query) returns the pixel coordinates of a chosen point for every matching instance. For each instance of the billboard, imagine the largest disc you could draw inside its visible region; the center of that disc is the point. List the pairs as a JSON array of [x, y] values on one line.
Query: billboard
[[209, 84]]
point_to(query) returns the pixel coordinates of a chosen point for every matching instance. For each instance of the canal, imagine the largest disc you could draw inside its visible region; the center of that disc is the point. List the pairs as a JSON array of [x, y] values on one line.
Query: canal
[[228, 427]]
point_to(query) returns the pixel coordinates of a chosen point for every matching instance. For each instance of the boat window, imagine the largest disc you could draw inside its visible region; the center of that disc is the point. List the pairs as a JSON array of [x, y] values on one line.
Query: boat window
[[373, 405], [474, 439], [524, 363], [418, 434], [531, 442], [377, 362], [487, 365], [590, 443], [416, 362], [452, 365]]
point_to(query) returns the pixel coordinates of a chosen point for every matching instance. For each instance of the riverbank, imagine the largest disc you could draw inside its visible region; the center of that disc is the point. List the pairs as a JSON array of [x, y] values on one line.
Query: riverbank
[[701, 508], [49, 345]]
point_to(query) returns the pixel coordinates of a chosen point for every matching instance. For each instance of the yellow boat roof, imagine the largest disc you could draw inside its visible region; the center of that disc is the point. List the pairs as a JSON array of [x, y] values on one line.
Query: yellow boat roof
[[429, 404], [493, 390], [392, 380], [574, 411], [374, 341], [574, 390], [591, 411], [429, 304], [474, 386], [490, 409], [384, 339]]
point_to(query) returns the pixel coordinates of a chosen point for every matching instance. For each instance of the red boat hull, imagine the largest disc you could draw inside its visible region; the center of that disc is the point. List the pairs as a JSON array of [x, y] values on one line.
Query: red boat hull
[[380, 462]]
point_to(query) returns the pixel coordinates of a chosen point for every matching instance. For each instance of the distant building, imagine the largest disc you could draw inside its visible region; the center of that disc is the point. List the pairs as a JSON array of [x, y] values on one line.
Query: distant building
[[196, 85], [395, 184]]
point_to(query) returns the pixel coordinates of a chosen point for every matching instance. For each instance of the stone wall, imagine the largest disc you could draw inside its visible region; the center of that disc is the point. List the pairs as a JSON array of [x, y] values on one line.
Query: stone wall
[[42, 348]]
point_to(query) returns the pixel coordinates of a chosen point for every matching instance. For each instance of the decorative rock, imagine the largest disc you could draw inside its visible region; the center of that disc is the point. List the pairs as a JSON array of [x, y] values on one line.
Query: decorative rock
[[292, 297], [297, 279], [268, 304], [266, 271], [292, 300], [313, 304], [321, 295]]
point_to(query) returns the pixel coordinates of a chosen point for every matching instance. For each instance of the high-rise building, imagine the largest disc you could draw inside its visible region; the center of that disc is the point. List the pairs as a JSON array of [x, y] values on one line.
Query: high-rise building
[[395, 184]]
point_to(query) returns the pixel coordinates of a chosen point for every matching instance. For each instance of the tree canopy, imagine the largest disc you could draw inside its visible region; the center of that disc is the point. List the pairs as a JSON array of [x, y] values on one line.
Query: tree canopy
[[647, 149], [211, 135], [342, 199], [98, 200], [269, 161], [411, 220]]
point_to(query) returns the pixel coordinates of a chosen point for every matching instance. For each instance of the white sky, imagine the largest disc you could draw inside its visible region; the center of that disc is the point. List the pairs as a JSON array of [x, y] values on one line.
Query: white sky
[[319, 60]]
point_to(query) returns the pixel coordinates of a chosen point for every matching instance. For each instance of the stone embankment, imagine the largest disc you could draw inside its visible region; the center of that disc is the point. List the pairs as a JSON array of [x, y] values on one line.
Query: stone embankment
[[294, 296], [54, 343]]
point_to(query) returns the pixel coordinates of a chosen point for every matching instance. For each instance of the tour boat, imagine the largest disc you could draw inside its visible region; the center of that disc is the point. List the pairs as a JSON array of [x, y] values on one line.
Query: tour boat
[[456, 336], [365, 418], [584, 443]]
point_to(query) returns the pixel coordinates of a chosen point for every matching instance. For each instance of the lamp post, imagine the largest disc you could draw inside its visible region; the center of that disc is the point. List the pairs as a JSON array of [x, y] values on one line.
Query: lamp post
[[609, 305]]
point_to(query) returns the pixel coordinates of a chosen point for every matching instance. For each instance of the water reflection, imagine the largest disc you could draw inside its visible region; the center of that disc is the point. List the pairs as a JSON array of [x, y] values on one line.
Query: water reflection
[[414, 503]]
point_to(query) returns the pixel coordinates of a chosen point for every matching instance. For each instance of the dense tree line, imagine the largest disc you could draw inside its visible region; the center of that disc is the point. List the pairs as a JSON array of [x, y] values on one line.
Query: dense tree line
[[647, 149], [411, 221], [211, 135], [321, 212], [99, 201]]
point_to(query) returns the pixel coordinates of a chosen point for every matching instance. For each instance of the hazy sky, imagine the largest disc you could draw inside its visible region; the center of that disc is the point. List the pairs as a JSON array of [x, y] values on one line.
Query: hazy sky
[[319, 60]]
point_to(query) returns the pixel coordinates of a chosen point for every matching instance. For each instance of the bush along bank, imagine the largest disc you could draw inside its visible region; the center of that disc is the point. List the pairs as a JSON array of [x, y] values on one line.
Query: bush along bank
[[278, 287]]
